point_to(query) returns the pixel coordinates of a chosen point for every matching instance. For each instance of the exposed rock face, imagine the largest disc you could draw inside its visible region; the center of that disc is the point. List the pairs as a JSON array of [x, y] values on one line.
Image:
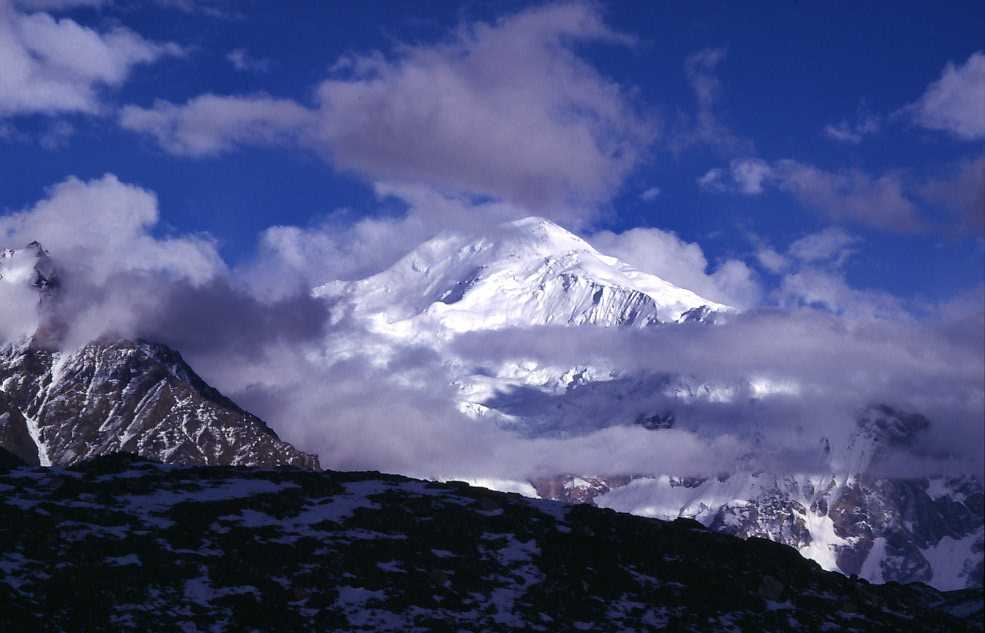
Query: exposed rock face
[[131, 396], [926, 530], [127, 545], [15, 437], [572, 489]]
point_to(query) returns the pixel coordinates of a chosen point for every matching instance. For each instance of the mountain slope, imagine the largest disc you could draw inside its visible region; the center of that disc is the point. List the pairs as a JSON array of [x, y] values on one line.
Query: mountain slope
[[132, 396], [60, 406], [144, 547]]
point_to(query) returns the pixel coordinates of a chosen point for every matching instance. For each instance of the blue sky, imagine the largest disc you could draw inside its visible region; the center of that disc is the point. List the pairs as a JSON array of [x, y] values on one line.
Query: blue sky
[[782, 74]]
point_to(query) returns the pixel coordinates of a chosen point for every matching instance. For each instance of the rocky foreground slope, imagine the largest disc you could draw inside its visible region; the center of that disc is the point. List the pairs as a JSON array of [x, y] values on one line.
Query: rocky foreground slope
[[123, 544]]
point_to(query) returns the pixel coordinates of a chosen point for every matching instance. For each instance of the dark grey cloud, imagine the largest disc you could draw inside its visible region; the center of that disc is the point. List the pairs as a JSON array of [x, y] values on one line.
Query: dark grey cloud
[[219, 318]]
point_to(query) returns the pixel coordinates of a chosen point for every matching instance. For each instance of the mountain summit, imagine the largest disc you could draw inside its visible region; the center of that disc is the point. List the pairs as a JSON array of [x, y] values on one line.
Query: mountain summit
[[30, 265], [524, 273]]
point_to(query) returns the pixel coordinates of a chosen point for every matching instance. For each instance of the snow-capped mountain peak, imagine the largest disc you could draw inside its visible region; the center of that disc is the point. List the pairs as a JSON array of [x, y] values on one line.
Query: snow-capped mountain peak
[[522, 273], [28, 266]]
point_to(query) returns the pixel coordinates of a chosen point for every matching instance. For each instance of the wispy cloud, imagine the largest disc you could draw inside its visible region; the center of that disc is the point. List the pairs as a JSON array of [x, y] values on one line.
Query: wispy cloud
[[854, 131], [955, 103], [209, 125], [60, 5], [242, 61], [880, 201], [832, 245], [706, 128]]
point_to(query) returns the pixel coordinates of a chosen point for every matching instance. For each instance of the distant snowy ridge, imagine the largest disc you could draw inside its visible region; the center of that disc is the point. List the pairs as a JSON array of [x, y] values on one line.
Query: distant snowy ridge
[[848, 519]]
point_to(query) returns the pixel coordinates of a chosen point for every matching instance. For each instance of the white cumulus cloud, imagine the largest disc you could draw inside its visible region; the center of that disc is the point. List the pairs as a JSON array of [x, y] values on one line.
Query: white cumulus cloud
[[682, 263], [210, 124], [54, 65], [506, 109]]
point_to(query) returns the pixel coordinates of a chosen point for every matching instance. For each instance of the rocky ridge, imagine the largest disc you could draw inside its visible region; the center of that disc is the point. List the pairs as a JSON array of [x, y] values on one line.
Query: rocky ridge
[[59, 406], [135, 396]]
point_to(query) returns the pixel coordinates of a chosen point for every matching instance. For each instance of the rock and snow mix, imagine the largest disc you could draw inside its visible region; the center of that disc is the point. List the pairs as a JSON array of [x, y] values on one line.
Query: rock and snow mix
[[124, 544], [131, 396]]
